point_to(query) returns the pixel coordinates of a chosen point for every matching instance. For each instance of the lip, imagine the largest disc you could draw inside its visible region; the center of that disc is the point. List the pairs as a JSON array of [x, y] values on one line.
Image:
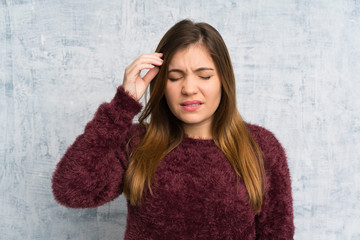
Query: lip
[[192, 105]]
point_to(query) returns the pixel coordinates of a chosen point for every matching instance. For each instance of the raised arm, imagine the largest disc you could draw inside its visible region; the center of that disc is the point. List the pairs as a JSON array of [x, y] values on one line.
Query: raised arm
[[90, 173]]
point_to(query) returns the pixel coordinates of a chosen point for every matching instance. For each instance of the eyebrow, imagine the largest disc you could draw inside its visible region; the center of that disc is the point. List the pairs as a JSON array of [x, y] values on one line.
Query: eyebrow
[[196, 70]]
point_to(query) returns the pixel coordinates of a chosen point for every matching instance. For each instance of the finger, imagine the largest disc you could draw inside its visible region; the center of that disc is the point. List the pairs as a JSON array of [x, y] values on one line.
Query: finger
[[150, 58], [145, 61], [151, 74], [135, 70], [146, 57], [143, 64], [159, 54], [156, 54], [140, 65]]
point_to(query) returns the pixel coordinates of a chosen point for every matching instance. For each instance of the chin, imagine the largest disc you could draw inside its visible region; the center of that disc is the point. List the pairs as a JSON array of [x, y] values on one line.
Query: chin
[[193, 121]]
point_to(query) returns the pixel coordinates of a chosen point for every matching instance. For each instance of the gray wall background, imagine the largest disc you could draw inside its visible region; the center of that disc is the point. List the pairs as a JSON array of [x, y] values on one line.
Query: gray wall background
[[297, 69]]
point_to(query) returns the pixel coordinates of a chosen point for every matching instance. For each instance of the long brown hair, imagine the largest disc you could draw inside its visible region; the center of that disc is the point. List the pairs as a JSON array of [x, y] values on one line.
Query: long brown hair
[[229, 131]]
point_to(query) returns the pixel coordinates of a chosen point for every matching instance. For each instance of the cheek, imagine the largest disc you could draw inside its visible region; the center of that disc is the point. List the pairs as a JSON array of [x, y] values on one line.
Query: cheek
[[218, 88], [213, 91], [216, 93], [172, 90]]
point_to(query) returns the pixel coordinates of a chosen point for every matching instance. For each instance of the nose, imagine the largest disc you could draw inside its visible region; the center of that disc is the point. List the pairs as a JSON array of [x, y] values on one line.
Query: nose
[[189, 86]]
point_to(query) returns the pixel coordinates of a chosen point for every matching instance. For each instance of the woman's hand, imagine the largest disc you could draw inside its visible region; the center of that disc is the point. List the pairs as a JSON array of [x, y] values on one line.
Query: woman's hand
[[133, 83]]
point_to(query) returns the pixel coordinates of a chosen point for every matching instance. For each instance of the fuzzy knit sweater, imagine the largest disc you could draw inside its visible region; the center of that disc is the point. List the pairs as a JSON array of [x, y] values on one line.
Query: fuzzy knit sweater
[[195, 192]]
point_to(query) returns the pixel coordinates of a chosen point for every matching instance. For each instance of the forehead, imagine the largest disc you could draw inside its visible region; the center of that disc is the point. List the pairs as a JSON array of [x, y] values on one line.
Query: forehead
[[192, 57]]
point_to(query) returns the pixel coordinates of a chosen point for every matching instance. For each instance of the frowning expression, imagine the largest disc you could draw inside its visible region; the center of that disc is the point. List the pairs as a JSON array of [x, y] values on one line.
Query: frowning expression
[[193, 90]]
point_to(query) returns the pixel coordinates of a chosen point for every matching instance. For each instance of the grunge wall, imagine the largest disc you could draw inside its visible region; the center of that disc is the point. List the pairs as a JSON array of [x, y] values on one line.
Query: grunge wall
[[297, 65]]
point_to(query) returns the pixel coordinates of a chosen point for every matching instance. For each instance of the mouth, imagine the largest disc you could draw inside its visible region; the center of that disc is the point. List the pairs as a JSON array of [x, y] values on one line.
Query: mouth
[[191, 105]]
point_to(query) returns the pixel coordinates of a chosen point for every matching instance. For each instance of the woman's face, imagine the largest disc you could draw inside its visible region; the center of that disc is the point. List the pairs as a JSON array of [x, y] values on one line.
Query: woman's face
[[193, 89]]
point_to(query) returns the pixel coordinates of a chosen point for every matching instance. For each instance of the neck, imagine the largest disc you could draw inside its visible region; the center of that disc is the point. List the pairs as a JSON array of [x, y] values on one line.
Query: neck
[[202, 131]]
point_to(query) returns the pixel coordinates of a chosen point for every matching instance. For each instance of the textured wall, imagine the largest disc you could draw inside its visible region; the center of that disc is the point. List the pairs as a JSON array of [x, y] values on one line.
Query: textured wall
[[296, 62]]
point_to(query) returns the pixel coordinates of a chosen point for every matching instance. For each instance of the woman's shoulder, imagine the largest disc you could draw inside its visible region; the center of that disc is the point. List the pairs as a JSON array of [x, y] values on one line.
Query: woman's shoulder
[[262, 135], [271, 147]]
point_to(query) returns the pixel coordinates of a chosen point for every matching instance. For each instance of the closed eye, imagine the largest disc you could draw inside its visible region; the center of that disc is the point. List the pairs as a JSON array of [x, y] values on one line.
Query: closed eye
[[205, 77], [174, 79]]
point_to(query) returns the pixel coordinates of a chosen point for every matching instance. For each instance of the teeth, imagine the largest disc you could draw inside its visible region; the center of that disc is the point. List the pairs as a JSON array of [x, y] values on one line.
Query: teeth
[[196, 104]]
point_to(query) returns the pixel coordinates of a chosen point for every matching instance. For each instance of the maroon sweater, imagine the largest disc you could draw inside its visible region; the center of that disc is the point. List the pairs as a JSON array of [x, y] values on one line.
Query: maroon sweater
[[196, 195]]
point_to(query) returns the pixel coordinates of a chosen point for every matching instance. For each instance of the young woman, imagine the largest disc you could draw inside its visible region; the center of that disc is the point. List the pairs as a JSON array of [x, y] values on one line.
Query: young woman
[[192, 168]]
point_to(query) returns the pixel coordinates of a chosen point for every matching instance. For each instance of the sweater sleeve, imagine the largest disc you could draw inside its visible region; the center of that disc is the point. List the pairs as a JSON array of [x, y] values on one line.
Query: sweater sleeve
[[275, 219], [91, 171]]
